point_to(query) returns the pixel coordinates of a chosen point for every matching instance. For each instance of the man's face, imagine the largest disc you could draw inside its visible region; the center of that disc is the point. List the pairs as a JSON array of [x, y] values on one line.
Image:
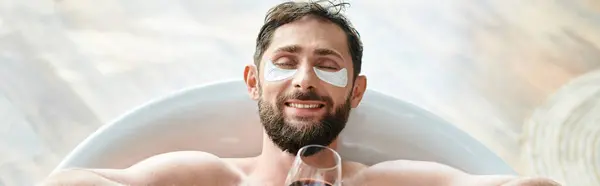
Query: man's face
[[305, 85]]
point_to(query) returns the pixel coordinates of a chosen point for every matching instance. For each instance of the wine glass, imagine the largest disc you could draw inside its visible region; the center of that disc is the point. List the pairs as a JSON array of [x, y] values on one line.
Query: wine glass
[[315, 165]]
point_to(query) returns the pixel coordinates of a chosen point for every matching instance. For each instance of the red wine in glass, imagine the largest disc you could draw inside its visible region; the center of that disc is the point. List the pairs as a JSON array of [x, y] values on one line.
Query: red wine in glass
[[309, 182], [315, 165]]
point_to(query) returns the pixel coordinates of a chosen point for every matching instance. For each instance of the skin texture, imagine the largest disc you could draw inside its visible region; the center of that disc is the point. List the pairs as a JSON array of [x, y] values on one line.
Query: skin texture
[[270, 167]]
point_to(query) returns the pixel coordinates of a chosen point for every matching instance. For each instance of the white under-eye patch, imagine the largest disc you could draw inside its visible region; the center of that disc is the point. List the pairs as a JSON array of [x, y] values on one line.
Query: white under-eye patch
[[274, 73], [338, 78]]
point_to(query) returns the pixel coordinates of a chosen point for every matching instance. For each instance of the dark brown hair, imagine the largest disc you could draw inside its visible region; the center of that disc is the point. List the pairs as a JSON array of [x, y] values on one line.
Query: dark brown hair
[[291, 11]]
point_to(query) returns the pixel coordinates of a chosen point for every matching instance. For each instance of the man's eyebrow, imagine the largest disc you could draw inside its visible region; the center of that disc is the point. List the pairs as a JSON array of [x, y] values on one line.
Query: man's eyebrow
[[318, 51], [289, 49], [325, 52]]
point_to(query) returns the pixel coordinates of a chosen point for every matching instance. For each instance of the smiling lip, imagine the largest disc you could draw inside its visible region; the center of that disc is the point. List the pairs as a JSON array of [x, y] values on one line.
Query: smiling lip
[[304, 108], [300, 104]]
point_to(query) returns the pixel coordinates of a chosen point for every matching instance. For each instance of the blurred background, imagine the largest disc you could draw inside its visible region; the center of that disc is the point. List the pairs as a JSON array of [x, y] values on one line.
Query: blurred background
[[523, 77]]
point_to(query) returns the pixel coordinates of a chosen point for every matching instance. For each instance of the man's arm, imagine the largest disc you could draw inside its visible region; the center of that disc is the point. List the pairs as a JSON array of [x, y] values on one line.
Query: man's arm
[[176, 168], [419, 173]]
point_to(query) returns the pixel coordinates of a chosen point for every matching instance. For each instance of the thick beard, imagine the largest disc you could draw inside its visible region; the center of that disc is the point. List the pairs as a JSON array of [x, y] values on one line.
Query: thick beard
[[291, 138]]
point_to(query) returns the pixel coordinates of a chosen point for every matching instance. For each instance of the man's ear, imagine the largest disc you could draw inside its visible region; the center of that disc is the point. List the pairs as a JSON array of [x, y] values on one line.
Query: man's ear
[[251, 79], [360, 86]]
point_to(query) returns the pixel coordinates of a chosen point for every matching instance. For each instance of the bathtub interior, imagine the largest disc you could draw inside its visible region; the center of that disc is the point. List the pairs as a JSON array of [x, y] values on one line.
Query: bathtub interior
[[221, 119]]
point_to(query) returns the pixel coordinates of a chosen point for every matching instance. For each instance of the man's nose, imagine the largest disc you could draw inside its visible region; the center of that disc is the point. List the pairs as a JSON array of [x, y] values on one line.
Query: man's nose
[[305, 78]]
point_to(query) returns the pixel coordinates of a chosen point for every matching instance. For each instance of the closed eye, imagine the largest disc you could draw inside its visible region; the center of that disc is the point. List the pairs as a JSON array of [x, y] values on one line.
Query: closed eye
[[327, 64], [328, 68], [285, 65]]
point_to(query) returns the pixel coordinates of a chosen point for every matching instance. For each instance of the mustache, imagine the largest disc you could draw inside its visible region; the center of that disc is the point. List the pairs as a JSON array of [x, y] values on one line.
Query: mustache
[[310, 95]]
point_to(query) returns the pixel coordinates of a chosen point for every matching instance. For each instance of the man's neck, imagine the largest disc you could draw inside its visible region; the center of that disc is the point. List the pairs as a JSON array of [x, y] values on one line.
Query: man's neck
[[273, 163]]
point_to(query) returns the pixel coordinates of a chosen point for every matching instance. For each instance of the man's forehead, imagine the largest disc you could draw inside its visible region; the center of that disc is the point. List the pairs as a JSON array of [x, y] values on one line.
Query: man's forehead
[[312, 34], [309, 28]]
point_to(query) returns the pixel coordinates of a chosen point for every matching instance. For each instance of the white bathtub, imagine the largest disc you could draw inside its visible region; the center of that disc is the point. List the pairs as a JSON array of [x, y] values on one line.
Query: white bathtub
[[221, 119]]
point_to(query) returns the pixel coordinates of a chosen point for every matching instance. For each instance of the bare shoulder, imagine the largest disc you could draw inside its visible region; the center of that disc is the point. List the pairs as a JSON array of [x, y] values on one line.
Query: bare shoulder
[[188, 168], [187, 159], [245, 165], [350, 169], [174, 168], [417, 173], [406, 172]]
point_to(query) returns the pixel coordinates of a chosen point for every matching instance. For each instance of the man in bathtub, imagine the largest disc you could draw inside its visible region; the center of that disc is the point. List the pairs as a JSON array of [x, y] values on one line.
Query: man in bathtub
[[305, 78]]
